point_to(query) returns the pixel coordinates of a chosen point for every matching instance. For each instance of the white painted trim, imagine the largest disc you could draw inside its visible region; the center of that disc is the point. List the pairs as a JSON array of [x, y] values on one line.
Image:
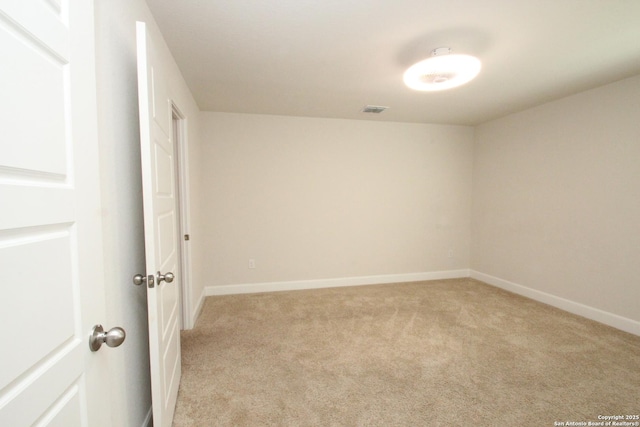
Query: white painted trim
[[614, 320], [250, 288], [148, 420], [195, 313], [181, 152]]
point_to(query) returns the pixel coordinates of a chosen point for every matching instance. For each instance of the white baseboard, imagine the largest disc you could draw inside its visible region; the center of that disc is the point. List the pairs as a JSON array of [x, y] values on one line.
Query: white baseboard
[[195, 313], [614, 320], [148, 420], [250, 288]]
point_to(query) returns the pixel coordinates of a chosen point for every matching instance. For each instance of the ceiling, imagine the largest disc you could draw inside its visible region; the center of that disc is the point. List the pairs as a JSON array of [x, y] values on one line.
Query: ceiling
[[329, 58]]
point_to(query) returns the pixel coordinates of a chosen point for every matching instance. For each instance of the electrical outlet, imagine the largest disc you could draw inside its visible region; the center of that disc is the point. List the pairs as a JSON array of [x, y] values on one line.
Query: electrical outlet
[[252, 263]]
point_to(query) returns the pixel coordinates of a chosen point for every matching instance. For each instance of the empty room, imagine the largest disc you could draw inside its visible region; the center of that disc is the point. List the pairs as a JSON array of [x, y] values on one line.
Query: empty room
[[320, 213]]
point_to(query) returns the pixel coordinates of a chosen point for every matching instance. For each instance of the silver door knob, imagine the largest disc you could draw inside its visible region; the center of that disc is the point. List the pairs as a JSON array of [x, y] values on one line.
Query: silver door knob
[[166, 277], [139, 279], [113, 338]]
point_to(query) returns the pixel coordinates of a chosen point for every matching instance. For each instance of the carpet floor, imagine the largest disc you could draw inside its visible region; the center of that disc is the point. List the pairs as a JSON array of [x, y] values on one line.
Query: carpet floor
[[439, 353]]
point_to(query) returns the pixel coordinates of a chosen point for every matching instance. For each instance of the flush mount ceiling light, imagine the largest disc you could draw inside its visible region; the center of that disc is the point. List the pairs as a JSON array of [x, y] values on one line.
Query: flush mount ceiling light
[[442, 71]]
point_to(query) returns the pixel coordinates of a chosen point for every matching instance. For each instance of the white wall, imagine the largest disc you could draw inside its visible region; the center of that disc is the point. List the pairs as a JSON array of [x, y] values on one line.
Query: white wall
[[556, 201], [312, 198], [122, 199]]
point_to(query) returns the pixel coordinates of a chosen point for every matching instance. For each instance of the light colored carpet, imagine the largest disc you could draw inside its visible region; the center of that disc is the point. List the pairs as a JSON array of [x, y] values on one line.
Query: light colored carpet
[[440, 353]]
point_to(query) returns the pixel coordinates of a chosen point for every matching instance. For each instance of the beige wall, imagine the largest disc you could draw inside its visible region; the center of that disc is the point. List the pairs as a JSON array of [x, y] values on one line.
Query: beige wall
[[312, 198], [556, 198]]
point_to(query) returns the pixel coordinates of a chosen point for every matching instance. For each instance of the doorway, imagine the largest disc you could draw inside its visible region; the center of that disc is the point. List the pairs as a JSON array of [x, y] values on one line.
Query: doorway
[[178, 133]]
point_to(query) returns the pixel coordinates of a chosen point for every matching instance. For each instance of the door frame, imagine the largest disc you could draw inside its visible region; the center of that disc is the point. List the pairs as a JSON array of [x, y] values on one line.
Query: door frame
[[181, 158]]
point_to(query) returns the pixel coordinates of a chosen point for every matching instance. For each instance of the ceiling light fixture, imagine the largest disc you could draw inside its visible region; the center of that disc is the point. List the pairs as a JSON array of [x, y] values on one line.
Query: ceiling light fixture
[[442, 71]]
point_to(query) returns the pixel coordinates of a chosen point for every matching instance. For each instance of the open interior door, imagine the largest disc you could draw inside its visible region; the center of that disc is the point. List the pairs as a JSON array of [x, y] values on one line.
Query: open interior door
[[161, 233]]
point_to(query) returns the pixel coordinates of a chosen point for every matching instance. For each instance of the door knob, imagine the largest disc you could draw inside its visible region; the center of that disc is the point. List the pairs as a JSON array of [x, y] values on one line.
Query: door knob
[[139, 279], [166, 277], [113, 338]]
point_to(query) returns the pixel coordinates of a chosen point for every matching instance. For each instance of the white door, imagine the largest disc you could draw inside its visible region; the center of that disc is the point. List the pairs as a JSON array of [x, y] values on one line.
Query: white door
[[51, 283], [160, 228]]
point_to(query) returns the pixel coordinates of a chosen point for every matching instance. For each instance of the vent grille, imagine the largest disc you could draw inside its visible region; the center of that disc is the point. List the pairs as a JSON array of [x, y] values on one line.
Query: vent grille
[[375, 109]]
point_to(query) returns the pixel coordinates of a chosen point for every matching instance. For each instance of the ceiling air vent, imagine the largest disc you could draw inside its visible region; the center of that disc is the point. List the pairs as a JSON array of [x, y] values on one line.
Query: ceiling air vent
[[375, 109]]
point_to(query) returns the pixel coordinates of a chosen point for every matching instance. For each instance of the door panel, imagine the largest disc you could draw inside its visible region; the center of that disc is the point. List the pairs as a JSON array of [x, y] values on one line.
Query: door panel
[[160, 97], [164, 169], [161, 232], [167, 244], [36, 42], [51, 291], [46, 392], [20, 252]]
